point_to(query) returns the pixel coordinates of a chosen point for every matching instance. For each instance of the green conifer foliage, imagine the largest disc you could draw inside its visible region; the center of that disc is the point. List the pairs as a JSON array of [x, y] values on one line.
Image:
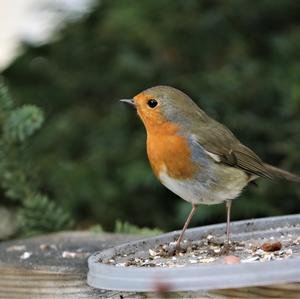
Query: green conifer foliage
[[37, 213], [239, 60]]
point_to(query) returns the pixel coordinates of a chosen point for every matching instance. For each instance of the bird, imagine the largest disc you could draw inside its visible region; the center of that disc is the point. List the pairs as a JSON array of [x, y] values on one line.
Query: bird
[[193, 155]]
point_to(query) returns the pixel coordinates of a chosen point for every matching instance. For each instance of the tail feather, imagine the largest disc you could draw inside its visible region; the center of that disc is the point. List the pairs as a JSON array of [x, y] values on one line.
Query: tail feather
[[282, 174]]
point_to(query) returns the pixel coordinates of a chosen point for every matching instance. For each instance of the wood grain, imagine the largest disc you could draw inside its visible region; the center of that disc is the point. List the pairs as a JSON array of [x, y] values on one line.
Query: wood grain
[[51, 272]]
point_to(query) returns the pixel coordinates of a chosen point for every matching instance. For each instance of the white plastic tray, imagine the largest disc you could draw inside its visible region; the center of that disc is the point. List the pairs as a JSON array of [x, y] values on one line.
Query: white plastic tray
[[200, 276]]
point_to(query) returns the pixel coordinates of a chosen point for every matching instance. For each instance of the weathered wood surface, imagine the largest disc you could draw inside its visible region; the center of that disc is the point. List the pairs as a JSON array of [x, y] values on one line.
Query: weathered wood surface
[[55, 266]]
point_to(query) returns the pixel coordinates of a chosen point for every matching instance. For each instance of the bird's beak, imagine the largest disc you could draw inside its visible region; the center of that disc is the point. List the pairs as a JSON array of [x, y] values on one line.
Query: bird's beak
[[128, 101]]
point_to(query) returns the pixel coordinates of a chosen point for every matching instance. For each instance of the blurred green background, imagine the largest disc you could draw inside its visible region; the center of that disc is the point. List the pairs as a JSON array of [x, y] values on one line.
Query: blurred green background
[[239, 60]]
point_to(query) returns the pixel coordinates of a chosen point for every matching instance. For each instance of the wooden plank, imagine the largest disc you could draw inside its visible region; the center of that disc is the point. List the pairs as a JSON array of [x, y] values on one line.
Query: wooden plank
[[57, 268]]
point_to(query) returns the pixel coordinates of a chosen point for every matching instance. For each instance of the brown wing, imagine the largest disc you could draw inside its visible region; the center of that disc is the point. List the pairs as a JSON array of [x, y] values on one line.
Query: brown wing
[[218, 140]]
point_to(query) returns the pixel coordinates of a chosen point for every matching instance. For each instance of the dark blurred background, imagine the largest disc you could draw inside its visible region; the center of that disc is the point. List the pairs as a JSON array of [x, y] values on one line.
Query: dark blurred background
[[239, 60]]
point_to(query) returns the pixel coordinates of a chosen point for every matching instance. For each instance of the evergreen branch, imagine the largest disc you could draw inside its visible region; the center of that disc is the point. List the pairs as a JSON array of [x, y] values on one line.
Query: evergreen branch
[[37, 213], [22, 123], [41, 215]]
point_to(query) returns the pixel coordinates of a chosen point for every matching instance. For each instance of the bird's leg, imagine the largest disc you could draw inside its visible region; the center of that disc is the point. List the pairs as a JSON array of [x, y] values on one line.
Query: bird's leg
[[187, 222], [228, 208]]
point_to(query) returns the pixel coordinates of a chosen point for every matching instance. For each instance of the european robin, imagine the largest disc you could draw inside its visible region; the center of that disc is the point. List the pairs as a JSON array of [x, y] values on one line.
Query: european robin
[[193, 155]]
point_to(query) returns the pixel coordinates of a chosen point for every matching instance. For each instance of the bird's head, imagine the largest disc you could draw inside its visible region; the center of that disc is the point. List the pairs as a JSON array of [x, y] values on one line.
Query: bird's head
[[159, 105]]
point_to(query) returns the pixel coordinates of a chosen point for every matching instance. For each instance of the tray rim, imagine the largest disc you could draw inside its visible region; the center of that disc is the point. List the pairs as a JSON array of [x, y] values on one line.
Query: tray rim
[[198, 277]]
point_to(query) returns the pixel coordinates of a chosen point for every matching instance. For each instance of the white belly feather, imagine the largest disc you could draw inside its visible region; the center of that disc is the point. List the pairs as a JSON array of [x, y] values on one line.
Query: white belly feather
[[226, 183]]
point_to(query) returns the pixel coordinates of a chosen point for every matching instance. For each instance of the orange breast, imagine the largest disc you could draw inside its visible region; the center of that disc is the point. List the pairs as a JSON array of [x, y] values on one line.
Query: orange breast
[[166, 149], [170, 152]]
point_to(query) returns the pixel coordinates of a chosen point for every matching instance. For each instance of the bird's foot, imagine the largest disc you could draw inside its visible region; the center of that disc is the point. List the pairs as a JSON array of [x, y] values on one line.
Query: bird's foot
[[227, 248], [174, 248]]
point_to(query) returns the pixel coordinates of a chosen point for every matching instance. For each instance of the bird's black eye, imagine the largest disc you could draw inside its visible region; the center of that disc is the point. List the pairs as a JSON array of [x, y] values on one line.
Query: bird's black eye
[[152, 103]]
